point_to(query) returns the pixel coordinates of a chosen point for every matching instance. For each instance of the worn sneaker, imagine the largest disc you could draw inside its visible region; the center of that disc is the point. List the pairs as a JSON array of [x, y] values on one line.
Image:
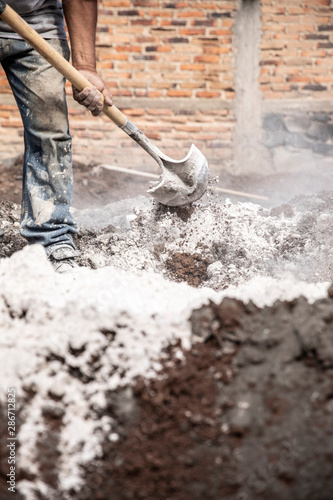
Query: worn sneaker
[[62, 259]]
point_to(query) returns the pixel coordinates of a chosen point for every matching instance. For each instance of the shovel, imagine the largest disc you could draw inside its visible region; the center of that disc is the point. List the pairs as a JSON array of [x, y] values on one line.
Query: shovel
[[181, 181]]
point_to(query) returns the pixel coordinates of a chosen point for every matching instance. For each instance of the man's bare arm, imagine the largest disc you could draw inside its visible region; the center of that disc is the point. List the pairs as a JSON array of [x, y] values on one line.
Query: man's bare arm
[[81, 20]]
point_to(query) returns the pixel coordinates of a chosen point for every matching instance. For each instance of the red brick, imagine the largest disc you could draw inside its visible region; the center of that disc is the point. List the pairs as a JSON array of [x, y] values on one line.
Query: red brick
[[216, 50], [228, 6], [272, 45], [319, 79], [283, 36], [325, 62], [192, 67], [281, 87], [144, 22], [285, 70], [119, 57], [206, 5], [273, 27], [133, 111], [179, 93], [207, 94], [297, 10], [271, 62], [119, 39], [12, 123], [128, 48], [188, 13], [317, 2], [192, 31], [306, 79], [313, 53], [164, 48], [264, 87], [153, 135], [173, 22], [145, 3], [161, 85], [207, 137], [220, 32], [192, 85], [138, 30], [181, 5], [117, 21], [318, 70], [160, 13], [104, 65], [146, 39], [273, 9], [8, 107], [117, 3], [285, 19], [269, 78], [207, 59], [300, 27]]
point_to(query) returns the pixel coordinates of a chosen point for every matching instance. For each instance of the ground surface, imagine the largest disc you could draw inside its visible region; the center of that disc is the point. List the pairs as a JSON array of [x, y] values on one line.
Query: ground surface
[[95, 186], [180, 362]]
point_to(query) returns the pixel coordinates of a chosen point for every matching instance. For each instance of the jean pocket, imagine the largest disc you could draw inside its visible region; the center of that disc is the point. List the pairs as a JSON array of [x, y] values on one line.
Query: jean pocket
[[60, 46], [4, 48]]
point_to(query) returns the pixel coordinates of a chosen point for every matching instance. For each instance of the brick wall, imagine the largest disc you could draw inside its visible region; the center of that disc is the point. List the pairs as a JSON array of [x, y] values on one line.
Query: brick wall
[[167, 49], [172, 68], [168, 65], [296, 49]]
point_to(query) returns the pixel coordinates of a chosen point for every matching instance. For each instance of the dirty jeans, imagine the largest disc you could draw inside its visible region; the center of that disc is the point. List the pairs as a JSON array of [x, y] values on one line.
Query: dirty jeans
[[47, 170]]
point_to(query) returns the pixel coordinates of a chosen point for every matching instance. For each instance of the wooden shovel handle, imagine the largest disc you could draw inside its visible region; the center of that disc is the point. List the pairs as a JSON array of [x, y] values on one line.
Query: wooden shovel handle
[[18, 24]]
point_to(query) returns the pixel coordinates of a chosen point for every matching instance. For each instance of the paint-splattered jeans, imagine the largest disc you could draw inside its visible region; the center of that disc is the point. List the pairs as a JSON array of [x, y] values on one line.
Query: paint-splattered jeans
[[47, 171]]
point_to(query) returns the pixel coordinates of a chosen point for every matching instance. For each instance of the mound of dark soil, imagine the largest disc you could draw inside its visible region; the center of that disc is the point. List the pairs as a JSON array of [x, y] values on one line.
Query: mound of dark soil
[[246, 415]]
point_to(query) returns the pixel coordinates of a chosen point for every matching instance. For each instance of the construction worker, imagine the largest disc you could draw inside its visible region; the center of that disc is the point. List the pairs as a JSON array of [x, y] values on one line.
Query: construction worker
[[39, 91]]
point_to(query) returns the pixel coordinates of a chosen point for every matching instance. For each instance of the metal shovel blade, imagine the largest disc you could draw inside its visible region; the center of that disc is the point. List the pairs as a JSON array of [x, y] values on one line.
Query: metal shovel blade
[[182, 181]]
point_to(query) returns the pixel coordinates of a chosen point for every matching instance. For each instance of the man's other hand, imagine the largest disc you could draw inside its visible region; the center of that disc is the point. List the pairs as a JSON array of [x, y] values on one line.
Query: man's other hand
[[90, 97]]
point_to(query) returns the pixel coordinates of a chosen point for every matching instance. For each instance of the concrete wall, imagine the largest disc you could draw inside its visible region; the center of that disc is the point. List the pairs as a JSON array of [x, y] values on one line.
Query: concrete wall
[[221, 74]]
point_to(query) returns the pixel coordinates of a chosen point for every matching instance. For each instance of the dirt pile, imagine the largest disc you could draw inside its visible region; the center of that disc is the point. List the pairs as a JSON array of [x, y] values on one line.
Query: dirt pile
[[212, 245], [246, 415], [127, 405], [131, 385], [66, 342], [218, 245]]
